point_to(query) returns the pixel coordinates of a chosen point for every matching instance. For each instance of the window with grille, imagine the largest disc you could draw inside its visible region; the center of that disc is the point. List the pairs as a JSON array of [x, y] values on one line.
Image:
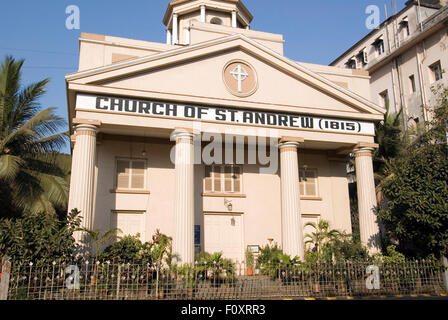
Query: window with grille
[[131, 174], [222, 179], [308, 183]]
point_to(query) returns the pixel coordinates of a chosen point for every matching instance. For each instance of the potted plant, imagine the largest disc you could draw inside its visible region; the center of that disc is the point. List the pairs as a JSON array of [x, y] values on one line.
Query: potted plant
[[250, 263]]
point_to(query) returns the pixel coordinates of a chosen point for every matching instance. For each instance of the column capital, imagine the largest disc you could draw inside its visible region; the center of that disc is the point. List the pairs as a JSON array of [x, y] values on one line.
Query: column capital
[[78, 121], [182, 135], [85, 129], [366, 145], [365, 149], [290, 142], [291, 139], [363, 152]]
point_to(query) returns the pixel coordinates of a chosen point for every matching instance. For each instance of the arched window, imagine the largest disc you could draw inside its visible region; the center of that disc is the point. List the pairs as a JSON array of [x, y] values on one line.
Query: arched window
[[216, 20]]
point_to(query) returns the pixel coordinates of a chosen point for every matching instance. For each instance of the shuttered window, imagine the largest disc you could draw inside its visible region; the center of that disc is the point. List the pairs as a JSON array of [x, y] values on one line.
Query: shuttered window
[[222, 179], [308, 183], [131, 174]]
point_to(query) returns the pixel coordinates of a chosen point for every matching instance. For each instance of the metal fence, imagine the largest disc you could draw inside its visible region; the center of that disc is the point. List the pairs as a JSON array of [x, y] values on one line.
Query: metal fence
[[108, 281]]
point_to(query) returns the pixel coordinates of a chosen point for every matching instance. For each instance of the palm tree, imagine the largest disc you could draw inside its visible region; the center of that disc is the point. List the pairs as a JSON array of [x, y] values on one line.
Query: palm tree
[[322, 235], [100, 239], [30, 179]]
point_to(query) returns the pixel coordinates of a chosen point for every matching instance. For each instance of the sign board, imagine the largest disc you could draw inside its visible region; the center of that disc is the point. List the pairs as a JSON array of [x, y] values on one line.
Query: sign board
[[222, 114]]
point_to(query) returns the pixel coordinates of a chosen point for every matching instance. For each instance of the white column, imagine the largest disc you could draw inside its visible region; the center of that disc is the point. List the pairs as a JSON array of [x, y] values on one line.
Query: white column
[[183, 239], [370, 232], [175, 30], [168, 36], [234, 24], [292, 229], [202, 13], [83, 175]]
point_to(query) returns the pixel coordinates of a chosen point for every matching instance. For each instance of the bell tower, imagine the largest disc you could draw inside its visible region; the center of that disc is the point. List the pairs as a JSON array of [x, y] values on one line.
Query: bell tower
[[180, 14]]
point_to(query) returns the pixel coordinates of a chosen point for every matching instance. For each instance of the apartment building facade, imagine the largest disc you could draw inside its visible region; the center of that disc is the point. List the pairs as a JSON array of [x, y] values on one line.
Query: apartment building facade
[[405, 57]]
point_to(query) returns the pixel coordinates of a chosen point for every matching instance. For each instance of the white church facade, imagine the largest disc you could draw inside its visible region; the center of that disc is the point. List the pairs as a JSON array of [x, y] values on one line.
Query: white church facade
[[216, 138]]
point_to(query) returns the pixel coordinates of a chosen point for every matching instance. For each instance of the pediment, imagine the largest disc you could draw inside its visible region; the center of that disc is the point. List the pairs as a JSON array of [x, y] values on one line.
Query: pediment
[[196, 73]]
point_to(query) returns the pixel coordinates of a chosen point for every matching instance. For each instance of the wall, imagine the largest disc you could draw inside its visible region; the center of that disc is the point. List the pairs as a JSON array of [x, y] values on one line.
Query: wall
[[261, 207]]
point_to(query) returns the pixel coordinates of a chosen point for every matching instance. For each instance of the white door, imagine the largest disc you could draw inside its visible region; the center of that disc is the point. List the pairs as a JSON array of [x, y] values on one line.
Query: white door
[[224, 233]]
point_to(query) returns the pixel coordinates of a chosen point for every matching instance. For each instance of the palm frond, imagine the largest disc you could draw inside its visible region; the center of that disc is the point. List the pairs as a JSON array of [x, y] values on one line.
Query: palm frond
[[109, 235], [94, 235], [10, 77], [9, 166], [27, 106]]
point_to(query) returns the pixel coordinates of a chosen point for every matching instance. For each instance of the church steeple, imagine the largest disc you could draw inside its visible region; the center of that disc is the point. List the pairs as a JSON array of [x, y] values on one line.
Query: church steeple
[[179, 14]]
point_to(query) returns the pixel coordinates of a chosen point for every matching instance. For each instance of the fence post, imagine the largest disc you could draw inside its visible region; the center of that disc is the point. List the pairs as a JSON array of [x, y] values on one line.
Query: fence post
[[445, 272], [5, 275], [157, 281], [118, 282]]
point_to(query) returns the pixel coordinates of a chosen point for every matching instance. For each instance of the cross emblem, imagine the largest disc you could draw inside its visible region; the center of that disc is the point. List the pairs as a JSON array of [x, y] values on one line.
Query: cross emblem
[[240, 74]]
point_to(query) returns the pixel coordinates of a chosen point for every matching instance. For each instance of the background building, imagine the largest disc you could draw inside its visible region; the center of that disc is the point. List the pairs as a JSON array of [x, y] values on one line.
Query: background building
[[405, 57]]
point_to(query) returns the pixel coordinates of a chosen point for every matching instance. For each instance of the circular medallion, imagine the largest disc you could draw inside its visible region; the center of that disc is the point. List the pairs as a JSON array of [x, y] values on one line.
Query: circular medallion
[[240, 78]]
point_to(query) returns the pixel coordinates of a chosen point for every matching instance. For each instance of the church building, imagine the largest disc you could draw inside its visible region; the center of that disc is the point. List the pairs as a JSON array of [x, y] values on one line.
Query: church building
[[216, 138]]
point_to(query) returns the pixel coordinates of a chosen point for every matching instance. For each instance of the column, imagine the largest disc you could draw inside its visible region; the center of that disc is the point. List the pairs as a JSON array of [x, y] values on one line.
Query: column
[[292, 228], [83, 174], [175, 29], [370, 232], [183, 239], [202, 13], [168, 36], [234, 24]]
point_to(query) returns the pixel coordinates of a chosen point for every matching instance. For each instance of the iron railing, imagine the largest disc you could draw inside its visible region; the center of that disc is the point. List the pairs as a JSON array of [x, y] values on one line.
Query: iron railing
[[111, 281]]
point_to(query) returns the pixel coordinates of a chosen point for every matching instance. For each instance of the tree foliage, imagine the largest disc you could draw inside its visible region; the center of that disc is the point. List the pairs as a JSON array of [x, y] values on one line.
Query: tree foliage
[[31, 178], [39, 238], [415, 209], [130, 249]]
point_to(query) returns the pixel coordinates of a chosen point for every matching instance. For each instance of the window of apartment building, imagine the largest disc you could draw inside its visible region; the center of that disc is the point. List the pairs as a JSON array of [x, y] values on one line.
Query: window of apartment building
[[131, 174], [404, 25], [384, 98], [412, 87], [436, 71], [351, 64], [223, 179], [308, 182], [362, 57], [379, 46]]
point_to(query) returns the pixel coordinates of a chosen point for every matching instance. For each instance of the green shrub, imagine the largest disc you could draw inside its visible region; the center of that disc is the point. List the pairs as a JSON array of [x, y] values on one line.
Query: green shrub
[[130, 249], [39, 238], [125, 251], [272, 258]]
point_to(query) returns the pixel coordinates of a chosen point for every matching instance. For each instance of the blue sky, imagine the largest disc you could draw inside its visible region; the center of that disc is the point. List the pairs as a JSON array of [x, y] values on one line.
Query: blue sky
[[315, 31]]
